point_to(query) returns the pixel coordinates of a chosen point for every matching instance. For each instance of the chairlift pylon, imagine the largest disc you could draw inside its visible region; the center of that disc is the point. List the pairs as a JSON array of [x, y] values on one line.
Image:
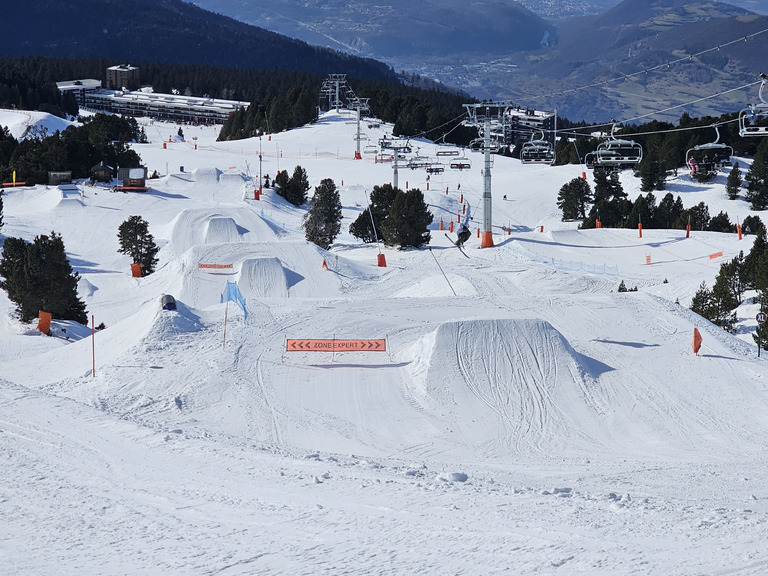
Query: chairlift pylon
[[753, 121]]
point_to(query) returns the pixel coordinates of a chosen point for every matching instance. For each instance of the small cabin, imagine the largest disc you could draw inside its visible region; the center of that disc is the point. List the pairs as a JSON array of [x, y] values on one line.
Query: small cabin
[[168, 302], [59, 177], [101, 172]]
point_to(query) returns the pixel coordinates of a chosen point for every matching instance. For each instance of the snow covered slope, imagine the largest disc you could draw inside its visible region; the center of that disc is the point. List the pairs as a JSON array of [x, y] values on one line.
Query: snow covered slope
[[525, 416]]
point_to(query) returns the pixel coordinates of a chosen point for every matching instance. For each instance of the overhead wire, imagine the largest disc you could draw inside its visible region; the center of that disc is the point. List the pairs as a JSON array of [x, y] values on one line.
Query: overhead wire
[[644, 71], [625, 77]]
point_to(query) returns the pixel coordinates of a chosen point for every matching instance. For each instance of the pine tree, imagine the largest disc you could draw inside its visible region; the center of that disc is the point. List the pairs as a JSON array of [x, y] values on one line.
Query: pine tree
[[38, 276], [611, 206], [368, 225], [408, 220], [721, 223], [573, 199], [702, 301], [652, 173], [761, 336], [733, 183], [668, 211], [757, 178], [751, 267], [138, 243], [293, 189], [322, 222], [12, 268]]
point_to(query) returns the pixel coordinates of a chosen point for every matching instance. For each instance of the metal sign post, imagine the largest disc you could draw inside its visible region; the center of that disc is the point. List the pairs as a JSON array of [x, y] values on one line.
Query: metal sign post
[[761, 318]]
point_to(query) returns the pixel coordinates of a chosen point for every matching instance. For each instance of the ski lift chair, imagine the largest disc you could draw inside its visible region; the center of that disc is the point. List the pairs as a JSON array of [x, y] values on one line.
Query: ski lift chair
[[460, 164], [753, 121], [538, 151], [618, 153], [705, 160]]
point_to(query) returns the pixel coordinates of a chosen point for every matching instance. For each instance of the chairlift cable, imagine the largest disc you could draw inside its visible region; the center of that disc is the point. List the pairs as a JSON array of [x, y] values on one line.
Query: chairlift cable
[[645, 71]]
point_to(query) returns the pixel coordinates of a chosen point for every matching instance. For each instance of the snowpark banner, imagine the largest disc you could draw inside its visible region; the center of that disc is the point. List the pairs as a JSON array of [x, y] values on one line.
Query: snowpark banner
[[315, 345], [232, 293]]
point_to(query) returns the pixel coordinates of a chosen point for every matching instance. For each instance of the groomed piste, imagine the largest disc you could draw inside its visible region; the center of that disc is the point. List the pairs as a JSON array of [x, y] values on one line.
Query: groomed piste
[[524, 416]]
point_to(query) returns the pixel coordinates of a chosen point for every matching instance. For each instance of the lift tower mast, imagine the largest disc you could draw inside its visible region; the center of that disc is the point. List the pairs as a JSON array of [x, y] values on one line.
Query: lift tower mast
[[490, 120]]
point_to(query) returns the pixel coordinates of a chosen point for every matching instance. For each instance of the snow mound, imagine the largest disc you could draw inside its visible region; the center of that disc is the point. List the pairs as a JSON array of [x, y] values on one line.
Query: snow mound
[[512, 385], [206, 175], [196, 227], [221, 230], [69, 204], [263, 277], [171, 323]]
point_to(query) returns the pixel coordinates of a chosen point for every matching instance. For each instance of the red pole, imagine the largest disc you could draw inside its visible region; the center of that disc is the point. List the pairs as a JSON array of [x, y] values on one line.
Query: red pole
[[93, 346]]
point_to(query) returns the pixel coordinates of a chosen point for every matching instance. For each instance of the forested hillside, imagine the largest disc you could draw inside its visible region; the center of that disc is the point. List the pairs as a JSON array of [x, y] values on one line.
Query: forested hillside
[[170, 31]]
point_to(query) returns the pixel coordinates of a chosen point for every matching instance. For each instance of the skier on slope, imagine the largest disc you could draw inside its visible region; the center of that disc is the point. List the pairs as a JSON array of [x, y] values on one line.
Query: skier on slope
[[464, 232]]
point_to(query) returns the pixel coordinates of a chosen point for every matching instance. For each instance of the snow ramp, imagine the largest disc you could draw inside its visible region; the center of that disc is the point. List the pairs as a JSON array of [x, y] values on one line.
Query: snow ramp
[[510, 386], [221, 230], [263, 278]]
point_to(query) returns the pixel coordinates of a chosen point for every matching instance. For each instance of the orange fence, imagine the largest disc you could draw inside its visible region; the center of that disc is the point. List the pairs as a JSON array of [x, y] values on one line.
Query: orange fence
[[314, 345]]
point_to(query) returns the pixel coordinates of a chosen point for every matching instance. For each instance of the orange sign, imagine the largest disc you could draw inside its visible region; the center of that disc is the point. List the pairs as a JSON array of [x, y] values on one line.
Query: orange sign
[[715, 255], [214, 265], [313, 345]]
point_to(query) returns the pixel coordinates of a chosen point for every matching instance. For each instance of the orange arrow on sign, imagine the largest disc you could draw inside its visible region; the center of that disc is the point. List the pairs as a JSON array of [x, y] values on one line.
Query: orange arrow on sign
[[315, 345]]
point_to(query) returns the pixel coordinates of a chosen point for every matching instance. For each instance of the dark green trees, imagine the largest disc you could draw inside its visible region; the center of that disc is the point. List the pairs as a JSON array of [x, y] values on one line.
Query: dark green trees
[[322, 222], [757, 178], [733, 183], [38, 276], [396, 217], [293, 189], [408, 221], [138, 243], [573, 199], [611, 206], [368, 225]]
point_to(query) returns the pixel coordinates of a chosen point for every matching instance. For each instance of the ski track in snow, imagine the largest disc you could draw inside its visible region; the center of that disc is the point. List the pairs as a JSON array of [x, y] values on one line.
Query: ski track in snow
[[534, 422]]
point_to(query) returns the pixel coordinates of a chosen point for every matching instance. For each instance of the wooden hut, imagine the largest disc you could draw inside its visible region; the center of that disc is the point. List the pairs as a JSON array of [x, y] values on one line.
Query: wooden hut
[[101, 172]]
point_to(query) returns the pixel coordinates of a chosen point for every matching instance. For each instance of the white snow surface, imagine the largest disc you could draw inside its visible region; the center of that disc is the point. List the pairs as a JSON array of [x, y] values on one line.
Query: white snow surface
[[526, 418]]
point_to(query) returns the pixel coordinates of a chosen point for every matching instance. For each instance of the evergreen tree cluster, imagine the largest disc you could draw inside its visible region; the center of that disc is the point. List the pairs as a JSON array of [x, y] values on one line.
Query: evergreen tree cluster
[[37, 276], [742, 273], [294, 188], [612, 209], [102, 137], [757, 178], [395, 217]]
